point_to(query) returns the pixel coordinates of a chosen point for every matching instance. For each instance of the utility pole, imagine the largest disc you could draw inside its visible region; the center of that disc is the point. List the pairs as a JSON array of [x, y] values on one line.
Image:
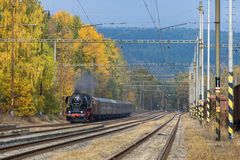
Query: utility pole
[[230, 74], [55, 52], [140, 97], [195, 81], [191, 87], [94, 75], [13, 3], [55, 60], [166, 101], [163, 100], [143, 101], [178, 104], [151, 102], [61, 51], [208, 62], [201, 68], [217, 78]]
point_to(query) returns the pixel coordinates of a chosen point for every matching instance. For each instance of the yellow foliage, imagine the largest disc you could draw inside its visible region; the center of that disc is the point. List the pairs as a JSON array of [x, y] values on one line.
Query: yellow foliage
[[95, 53], [29, 65], [131, 97]]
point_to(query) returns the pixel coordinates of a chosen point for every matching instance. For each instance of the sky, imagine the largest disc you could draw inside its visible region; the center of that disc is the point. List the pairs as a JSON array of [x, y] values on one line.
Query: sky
[[134, 12]]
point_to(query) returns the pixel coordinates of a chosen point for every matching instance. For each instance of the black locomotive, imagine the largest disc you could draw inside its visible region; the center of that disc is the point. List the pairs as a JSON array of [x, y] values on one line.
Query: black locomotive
[[83, 107]]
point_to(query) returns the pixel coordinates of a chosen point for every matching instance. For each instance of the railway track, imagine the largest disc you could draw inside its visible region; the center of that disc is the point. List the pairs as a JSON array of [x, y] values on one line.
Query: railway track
[[27, 149], [68, 126], [167, 147], [63, 124], [72, 133], [164, 152]]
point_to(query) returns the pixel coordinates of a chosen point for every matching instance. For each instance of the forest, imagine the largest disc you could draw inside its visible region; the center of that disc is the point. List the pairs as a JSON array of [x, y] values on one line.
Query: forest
[[42, 81]]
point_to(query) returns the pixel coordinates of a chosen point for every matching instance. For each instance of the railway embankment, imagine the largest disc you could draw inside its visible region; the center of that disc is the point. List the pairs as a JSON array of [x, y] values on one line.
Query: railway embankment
[[197, 142]]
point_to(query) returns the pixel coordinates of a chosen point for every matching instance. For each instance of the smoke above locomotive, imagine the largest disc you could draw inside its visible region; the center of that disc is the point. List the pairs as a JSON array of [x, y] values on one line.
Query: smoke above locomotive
[[86, 83]]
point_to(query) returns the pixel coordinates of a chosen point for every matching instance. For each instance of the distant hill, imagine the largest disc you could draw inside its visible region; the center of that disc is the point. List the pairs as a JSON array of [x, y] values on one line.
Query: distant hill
[[155, 53]]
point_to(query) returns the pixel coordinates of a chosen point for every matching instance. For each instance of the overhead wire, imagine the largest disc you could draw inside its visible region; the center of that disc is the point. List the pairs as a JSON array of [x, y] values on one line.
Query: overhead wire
[[177, 25], [107, 44], [151, 16], [158, 14], [84, 11]]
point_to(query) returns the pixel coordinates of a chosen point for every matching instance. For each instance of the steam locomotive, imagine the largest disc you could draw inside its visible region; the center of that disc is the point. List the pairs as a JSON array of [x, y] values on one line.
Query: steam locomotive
[[82, 107]]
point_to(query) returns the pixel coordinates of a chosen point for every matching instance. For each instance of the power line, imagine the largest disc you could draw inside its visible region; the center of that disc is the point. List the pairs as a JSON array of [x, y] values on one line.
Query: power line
[[177, 25], [158, 15], [92, 23], [101, 24], [84, 11], [146, 6]]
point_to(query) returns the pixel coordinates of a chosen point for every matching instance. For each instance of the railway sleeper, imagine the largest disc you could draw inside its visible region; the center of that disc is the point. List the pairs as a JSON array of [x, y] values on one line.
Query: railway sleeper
[[30, 138]]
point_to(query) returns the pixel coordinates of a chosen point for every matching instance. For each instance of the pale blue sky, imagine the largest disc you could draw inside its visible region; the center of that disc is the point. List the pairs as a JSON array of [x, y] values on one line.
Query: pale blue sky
[[134, 13]]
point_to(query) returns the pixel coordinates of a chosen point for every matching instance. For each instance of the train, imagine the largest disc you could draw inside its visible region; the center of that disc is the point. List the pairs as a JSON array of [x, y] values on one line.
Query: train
[[83, 107]]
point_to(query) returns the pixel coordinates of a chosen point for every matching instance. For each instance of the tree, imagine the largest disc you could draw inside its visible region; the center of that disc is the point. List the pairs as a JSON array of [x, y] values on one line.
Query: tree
[[61, 26], [29, 64], [182, 89]]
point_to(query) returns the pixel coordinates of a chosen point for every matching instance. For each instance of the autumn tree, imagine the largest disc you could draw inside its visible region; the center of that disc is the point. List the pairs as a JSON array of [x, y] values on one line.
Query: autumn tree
[[62, 25], [29, 60]]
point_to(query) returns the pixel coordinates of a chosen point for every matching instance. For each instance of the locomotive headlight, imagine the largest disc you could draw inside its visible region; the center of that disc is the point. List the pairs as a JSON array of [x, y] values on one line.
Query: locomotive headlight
[[81, 111], [69, 112]]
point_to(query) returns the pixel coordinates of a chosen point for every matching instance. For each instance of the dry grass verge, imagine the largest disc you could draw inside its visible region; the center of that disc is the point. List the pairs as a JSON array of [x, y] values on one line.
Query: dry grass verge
[[201, 145], [6, 119]]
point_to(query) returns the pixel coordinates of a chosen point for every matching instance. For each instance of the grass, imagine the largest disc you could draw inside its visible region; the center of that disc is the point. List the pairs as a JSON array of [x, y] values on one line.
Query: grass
[[6, 119], [201, 145]]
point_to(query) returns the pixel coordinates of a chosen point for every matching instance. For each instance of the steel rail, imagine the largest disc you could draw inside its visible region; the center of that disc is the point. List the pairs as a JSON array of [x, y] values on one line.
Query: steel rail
[[68, 135], [61, 124], [41, 150], [69, 127], [167, 147], [133, 146], [62, 144]]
